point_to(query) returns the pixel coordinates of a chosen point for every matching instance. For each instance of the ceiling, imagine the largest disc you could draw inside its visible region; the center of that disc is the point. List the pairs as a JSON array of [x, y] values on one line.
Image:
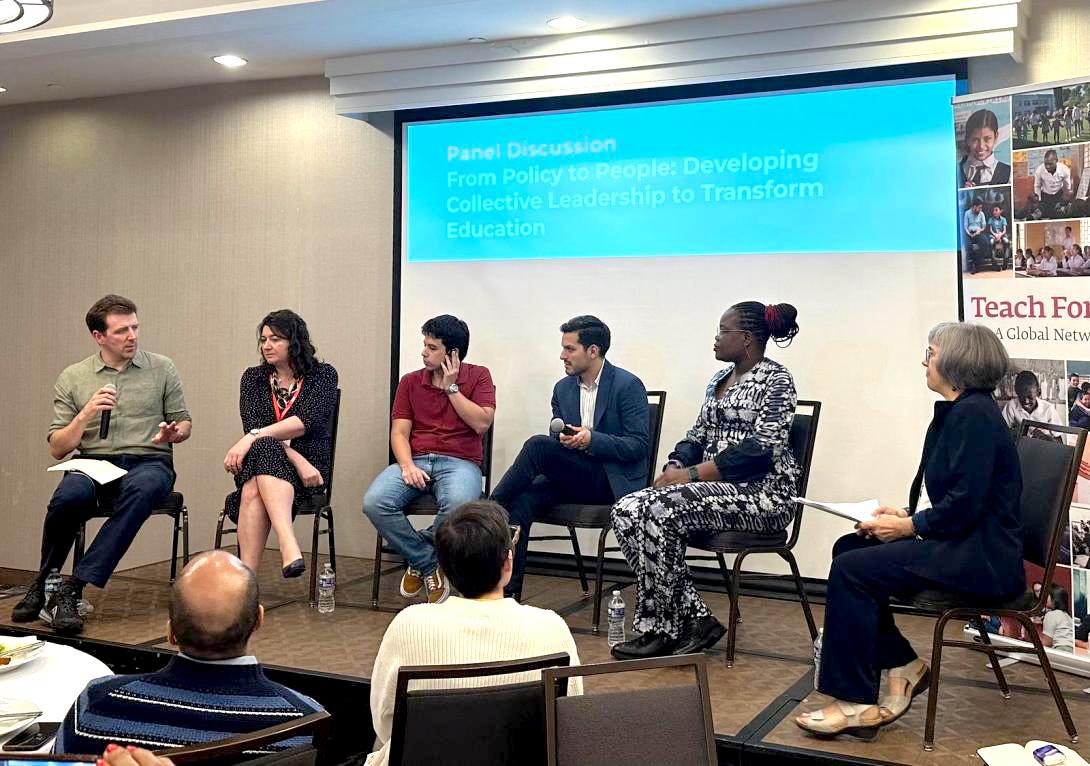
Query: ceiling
[[105, 47]]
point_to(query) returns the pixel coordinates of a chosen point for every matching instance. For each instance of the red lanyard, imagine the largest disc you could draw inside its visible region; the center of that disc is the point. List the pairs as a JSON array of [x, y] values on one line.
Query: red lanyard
[[280, 413]]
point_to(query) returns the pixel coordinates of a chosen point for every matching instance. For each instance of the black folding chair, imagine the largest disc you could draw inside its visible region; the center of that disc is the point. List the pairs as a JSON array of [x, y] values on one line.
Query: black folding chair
[[742, 544], [585, 516], [174, 507]]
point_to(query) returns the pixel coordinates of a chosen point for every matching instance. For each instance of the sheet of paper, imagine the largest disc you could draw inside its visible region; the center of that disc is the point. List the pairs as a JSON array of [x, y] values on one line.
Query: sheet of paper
[[101, 471], [861, 511]]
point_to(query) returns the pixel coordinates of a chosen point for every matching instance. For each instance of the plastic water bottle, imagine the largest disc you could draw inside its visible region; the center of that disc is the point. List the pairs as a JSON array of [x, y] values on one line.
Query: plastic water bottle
[[615, 610], [52, 584], [327, 584], [817, 656]]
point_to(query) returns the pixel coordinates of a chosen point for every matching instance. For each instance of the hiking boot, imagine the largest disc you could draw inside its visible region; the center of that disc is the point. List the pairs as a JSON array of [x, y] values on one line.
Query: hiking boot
[[30, 607], [64, 608], [411, 583], [438, 587]]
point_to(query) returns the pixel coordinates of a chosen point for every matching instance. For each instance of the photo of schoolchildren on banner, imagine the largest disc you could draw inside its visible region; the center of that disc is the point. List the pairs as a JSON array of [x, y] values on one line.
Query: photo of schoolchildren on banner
[[1023, 213]]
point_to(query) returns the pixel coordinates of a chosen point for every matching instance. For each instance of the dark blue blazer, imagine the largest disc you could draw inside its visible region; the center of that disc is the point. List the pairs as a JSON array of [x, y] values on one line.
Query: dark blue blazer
[[973, 531], [620, 440]]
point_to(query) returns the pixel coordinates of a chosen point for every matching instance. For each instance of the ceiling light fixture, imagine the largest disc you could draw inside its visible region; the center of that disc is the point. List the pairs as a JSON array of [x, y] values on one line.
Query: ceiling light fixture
[[566, 23], [230, 60], [3, 89], [477, 39], [21, 15]]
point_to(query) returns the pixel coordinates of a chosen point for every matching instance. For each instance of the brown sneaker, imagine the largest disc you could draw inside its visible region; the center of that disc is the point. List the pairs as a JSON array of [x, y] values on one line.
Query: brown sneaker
[[438, 587], [411, 583]]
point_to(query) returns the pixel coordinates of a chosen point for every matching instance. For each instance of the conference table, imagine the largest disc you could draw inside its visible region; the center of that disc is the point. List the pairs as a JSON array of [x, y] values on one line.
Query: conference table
[[51, 682]]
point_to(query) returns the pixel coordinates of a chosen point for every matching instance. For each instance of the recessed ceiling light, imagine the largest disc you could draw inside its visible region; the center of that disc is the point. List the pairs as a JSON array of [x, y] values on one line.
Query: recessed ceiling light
[[476, 39], [3, 89], [566, 23], [230, 61]]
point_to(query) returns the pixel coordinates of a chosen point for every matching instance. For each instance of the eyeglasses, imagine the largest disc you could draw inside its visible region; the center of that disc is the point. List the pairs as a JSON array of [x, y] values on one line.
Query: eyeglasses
[[928, 354]]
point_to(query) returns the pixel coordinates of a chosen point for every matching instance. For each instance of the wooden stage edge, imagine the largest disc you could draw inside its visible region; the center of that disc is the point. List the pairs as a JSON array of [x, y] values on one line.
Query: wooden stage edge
[[330, 657]]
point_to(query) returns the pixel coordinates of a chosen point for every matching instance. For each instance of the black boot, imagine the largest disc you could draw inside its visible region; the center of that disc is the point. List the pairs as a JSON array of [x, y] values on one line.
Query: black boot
[[650, 644], [705, 633], [64, 608]]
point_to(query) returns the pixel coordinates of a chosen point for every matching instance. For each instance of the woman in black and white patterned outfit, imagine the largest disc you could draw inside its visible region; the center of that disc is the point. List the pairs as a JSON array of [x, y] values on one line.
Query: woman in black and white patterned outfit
[[732, 471]]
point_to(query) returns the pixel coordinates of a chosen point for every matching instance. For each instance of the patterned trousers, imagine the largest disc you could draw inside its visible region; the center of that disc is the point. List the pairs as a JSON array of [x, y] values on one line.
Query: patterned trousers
[[653, 528]]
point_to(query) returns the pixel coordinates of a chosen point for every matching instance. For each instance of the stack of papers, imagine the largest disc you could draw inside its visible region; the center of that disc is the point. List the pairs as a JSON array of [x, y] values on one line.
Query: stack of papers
[[102, 471]]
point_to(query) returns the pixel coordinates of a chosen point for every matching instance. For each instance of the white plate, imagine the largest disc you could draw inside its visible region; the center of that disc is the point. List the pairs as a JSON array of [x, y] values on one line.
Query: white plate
[[7, 726], [19, 660]]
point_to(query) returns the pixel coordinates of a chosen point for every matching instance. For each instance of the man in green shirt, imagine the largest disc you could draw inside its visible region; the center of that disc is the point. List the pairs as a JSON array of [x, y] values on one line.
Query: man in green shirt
[[142, 394]]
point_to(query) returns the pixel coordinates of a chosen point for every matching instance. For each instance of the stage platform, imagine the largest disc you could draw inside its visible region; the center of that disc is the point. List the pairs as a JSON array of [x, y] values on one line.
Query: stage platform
[[331, 656]]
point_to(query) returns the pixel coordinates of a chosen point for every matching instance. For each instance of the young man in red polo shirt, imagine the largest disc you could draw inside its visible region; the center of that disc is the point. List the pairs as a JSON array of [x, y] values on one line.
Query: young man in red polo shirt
[[438, 418]]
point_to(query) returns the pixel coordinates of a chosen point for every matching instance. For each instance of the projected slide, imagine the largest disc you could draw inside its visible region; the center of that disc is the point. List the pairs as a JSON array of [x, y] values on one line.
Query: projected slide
[[852, 170]]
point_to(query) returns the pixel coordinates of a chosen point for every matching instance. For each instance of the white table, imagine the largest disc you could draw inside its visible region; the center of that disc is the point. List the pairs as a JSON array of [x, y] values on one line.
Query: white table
[[52, 682]]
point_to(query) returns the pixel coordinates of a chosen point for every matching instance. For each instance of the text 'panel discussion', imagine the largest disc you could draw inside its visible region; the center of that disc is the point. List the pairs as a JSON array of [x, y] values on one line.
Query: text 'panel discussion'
[[681, 370]]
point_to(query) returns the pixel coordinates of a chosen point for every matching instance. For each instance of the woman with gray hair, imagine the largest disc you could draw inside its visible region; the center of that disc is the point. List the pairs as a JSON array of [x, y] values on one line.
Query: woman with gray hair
[[966, 540]]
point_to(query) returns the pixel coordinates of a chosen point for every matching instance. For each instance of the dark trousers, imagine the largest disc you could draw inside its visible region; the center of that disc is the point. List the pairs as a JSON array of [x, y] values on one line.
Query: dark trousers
[[78, 498], [544, 474], [1050, 201], [860, 639]]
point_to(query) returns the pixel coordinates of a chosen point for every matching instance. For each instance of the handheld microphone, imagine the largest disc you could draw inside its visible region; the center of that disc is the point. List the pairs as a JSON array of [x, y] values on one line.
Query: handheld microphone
[[557, 426], [104, 423]]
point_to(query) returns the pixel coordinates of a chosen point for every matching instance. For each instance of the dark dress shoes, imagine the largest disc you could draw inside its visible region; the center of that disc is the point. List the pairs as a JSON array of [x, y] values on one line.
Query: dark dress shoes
[[294, 569], [650, 644], [705, 633]]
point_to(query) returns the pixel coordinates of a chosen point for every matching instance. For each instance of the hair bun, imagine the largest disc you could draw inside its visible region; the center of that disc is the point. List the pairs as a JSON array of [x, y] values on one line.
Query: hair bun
[[780, 318]]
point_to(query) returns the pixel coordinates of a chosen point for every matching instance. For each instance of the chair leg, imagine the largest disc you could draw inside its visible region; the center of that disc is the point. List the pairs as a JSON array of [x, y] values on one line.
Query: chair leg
[[314, 558], [219, 529], [733, 619], [332, 540], [176, 522], [598, 580], [993, 657], [726, 583], [81, 537], [1050, 676], [933, 694], [579, 561], [185, 536], [789, 557], [378, 571]]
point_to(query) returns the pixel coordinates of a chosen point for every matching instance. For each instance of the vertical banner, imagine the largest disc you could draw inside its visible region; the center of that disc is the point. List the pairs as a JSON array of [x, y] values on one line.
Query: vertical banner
[[1023, 167]]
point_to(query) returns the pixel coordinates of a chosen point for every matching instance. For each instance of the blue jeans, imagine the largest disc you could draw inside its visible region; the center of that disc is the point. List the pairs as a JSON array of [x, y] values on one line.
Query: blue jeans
[[453, 481]]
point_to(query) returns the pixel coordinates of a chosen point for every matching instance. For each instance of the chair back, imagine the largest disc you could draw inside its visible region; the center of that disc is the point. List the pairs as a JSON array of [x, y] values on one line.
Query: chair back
[[227, 751], [482, 725], [801, 441], [1049, 470], [297, 756], [486, 463], [656, 409], [662, 724], [334, 424]]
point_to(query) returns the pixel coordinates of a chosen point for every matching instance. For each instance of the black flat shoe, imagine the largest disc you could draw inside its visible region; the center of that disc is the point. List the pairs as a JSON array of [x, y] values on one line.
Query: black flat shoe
[[294, 569], [648, 645], [705, 634]]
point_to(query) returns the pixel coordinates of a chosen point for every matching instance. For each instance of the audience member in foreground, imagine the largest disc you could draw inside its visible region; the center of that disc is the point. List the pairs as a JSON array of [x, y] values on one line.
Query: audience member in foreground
[[142, 395], [286, 404], [968, 541], [115, 755], [602, 459], [474, 548], [732, 471], [438, 418], [212, 690]]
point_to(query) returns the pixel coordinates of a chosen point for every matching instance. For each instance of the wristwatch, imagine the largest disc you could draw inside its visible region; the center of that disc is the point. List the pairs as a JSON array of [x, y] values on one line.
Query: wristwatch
[[693, 475], [452, 389], [255, 432]]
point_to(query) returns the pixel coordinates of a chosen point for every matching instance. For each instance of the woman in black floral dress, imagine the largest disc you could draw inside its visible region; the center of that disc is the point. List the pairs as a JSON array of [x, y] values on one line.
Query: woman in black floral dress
[[286, 404], [732, 471]]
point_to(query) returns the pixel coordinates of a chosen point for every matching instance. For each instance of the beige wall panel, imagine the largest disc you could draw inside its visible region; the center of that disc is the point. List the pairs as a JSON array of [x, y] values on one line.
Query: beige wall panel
[[208, 206]]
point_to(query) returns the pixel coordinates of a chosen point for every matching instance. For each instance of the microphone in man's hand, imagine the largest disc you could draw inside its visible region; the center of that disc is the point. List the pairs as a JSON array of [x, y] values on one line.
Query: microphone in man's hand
[[104, 424], [557, 427]]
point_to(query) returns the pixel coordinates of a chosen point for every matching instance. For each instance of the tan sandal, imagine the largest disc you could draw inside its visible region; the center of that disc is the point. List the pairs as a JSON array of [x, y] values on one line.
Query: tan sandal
[[860, 721], [917, 676]]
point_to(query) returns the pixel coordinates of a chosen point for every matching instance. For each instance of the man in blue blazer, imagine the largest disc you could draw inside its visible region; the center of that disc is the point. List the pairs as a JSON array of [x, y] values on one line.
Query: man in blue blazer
[[602, 453]]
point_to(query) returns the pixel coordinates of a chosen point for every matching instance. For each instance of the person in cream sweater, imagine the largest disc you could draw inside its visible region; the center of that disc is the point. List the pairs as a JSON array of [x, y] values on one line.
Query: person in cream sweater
[[475, 551]]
